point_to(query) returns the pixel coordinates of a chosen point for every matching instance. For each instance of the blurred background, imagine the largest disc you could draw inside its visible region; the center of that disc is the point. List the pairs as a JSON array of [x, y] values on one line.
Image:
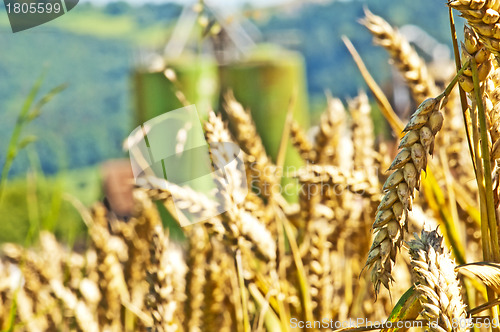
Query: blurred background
[[112, 56]]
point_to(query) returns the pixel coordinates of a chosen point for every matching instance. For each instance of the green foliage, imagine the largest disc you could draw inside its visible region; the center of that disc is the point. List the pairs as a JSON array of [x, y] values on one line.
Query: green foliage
[[46, 196], [28, 113], [85, 124]]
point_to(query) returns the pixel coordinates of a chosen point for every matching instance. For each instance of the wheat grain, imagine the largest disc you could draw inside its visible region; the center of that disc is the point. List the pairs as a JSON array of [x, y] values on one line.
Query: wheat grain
[[473, 48]]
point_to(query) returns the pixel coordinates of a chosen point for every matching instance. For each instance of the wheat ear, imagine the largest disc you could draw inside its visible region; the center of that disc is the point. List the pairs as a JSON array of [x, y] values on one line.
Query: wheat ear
[[219, 309], [245, 133], [196, 281], [331, 126], [362, 134], [483, 17], [493, 119], [161, 299], [436, 283], [390, 221], [318, 264], [493, 110], [473, 48], [111, 251], [406, 59], [301, 142]]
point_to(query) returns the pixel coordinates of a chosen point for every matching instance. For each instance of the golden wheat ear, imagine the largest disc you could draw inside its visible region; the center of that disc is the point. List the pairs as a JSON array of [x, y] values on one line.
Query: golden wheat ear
[[301, 142], [331, 126], [391, 219], [436, 282], [483, 17], [163, 299], [363, 138], [405, 58], [245, 134]]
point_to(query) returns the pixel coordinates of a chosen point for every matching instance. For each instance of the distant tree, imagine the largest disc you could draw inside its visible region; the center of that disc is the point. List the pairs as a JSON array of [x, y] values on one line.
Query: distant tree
[[157, 13], [117, 8]]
